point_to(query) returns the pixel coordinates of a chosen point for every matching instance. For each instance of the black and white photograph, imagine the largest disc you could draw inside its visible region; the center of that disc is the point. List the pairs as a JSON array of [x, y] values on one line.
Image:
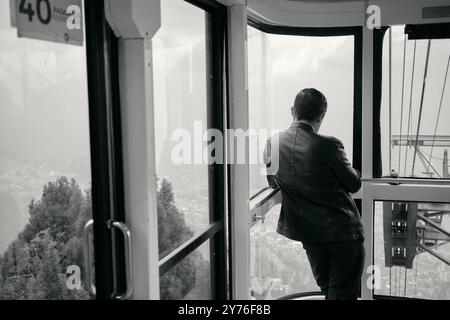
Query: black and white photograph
[[230, 156]]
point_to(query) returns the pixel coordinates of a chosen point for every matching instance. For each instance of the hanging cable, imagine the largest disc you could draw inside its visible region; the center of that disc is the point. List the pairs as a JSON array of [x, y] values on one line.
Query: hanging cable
[[431, 156], [410, 104], [390, 100], [10, 71], [439, 113], [390, 281], [401, 112], [396, 282], [404, 286], [421, 106], [425, 162], [415, 277]]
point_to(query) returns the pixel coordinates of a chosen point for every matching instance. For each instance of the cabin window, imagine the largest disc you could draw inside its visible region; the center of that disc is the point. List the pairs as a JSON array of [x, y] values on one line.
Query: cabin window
[[186, 74], [45, 167], [279, 66], [411, 252], [415, 106]]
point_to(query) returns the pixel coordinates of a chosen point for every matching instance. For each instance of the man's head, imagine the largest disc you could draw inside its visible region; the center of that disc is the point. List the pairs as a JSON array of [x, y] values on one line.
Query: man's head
[[310, 105]]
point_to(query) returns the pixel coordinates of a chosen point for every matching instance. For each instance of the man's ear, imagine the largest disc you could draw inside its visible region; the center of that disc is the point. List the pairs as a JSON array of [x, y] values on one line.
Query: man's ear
[[323, 116], [293, 112]]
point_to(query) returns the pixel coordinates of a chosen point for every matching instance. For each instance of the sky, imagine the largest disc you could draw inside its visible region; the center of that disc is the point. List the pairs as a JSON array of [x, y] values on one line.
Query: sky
[[44, 111], [438, 59], [56, 81]]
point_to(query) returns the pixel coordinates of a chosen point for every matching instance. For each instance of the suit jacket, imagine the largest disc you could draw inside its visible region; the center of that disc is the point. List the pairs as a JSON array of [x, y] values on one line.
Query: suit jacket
[[316, 181]]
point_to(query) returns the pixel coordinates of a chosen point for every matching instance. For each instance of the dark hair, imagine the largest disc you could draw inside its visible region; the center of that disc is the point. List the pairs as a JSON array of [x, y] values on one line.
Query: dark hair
[[309, 104]]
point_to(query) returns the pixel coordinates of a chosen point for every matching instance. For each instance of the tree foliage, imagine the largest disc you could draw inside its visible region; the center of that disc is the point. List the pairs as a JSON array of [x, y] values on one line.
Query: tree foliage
[[34, 265], [173, 232]]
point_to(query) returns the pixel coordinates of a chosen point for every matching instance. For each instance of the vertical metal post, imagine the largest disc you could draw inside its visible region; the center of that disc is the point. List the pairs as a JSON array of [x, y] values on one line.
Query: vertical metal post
[[239, 173], [367, 156], [135, 30]]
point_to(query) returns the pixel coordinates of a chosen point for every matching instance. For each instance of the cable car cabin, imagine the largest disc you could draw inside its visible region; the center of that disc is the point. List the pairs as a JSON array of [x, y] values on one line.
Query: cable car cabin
[[132, 135]]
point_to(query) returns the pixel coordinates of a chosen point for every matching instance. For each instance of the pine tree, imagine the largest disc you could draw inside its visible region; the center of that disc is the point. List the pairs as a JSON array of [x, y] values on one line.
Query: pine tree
[[34, 265], [172, 232]]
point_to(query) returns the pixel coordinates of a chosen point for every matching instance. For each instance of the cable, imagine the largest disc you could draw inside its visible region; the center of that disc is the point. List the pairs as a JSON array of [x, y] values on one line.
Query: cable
[[410, 103], [415, 277], [390, 100], [425, 75], [40, 74], [395, 281], [10, 71], [401, 112], [439, 112], [390, 281], [425, 162], [404, 286], [432, 157]]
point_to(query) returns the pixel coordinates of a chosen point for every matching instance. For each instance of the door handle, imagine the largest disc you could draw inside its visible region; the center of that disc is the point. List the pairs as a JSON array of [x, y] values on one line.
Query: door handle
[[128, 260], [87, 255]]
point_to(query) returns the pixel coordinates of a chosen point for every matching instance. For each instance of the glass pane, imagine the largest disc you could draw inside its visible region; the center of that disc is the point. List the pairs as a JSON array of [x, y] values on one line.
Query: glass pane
[[180, 93], [413, 148], [279, 266], [190, 279], [45, 171], [279, 66], [412, 253]]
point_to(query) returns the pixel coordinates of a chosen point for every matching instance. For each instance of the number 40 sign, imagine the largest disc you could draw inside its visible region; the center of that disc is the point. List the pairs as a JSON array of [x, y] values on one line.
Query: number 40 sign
[[52, 20]]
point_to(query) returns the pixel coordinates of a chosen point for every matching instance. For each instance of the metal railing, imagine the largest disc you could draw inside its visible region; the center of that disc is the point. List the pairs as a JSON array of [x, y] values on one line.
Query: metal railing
[[262, 202]]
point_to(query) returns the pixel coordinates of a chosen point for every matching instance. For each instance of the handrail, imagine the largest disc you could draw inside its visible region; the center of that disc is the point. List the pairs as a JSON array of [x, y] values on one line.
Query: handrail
[[259, 209], [408, 181], [169, 261], [304, 296], [259, 192]]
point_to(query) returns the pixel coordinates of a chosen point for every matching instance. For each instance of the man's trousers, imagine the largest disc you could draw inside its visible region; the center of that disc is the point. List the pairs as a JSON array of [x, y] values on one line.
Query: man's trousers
[[337, 267]]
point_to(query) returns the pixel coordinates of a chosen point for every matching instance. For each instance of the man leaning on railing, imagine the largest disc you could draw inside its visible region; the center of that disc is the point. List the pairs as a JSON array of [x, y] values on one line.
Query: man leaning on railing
[[316, 181]]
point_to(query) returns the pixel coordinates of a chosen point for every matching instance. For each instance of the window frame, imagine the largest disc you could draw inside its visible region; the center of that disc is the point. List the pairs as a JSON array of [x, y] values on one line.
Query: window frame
[[379, 189], [357, 33], [378, 45], [106, 150]]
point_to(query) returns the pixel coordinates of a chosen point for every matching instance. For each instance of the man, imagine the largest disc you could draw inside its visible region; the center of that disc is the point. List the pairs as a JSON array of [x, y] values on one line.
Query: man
[[316, 181]]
